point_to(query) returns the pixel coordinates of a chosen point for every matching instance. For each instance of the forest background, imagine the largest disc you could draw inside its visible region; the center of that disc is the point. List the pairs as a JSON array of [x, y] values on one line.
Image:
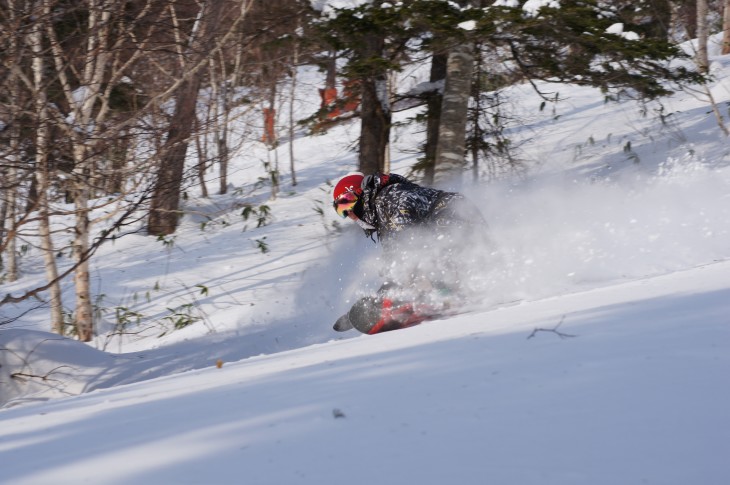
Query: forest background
[[112, 110]]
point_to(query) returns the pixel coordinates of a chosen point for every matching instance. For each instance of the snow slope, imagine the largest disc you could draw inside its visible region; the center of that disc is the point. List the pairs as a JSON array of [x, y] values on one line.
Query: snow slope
[[597, 354], [637, 395]]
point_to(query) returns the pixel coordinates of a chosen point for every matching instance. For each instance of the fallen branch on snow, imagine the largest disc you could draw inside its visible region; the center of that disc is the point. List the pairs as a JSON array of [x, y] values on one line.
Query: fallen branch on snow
[[553, 330]]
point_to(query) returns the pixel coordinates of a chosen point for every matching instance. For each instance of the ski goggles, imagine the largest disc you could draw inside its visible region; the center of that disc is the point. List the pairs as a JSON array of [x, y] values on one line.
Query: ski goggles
[[344, 204]]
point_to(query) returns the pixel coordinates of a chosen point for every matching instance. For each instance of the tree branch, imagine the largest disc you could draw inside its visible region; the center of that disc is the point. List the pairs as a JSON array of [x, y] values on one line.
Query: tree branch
[[553, 330]]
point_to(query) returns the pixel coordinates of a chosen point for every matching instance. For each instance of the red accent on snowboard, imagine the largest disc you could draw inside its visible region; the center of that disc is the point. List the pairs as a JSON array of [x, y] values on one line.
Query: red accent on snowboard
[[402, 316]]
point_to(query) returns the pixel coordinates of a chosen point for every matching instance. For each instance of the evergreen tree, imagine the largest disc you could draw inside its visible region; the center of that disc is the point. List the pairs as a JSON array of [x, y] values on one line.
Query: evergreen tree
[[584, 42], [372, 37]]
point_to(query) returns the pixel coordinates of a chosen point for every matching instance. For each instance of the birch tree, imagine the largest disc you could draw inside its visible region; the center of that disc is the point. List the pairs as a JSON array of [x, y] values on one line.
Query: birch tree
[[81, 72], [451, 145], [28, 105], [13, 156], [35, 40], [221, 93], [292, 101], [88, 99], [434, 98]]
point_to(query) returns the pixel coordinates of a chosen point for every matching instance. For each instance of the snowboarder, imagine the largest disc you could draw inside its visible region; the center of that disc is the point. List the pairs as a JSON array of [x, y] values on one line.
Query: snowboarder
[[406, 218]]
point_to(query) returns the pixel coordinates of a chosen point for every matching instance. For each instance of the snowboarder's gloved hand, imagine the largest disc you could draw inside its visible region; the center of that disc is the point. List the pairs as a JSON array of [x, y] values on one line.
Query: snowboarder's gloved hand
[[373, 180], [368, 180], [386, 287]]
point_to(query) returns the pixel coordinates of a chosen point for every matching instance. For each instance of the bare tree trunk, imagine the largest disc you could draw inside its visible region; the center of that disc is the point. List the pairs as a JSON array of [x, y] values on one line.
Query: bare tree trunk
[[202, 152], [476, 134], [450, 161], [223, 152], [702, 35], [218, 117], [11, 202], [703, 62], [271, 138], [726, 27], [83, 314], [211, 120], [11, 249], [716, 111], [12, 180], [661, 19], [375, 119], [292, 99], [685, 17], [3, 218], [390, 79], [222, 120], [433, 116], [49, 256], [118, 157], [165, 205], [42, 138], [375, 113], [92, 78]]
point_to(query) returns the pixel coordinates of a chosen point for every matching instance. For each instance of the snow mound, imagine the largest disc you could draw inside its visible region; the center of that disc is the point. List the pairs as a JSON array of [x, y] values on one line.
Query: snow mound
[[37, 366]]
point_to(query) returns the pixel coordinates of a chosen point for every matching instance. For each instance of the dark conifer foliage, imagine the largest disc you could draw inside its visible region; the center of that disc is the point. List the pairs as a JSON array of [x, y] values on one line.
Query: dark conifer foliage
[[577, 42], [569, 43]]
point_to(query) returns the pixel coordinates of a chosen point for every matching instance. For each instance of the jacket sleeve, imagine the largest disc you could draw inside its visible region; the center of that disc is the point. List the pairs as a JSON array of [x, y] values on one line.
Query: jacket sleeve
[[399, 208]]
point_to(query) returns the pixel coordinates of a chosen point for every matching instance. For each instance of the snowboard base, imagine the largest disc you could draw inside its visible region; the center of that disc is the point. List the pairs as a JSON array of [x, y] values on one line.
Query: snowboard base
[[371, 315]]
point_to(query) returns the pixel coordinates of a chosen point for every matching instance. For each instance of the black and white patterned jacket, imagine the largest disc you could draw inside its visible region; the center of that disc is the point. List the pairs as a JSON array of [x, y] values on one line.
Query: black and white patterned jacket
[[392, 204]]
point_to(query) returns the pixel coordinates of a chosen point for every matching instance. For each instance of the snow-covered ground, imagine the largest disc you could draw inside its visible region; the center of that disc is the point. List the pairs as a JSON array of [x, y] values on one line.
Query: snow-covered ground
[[599, 352], [637, 395]]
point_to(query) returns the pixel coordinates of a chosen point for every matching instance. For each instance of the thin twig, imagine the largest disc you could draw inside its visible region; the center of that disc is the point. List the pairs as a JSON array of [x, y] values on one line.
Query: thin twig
[[553, 330]]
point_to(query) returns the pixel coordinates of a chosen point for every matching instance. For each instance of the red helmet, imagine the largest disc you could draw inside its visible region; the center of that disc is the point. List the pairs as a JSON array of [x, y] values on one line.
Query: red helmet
[[346, 193], [349, 183]]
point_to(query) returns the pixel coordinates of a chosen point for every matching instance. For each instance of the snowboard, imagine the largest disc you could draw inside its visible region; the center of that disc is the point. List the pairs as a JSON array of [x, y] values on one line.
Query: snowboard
[[376, 314]]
